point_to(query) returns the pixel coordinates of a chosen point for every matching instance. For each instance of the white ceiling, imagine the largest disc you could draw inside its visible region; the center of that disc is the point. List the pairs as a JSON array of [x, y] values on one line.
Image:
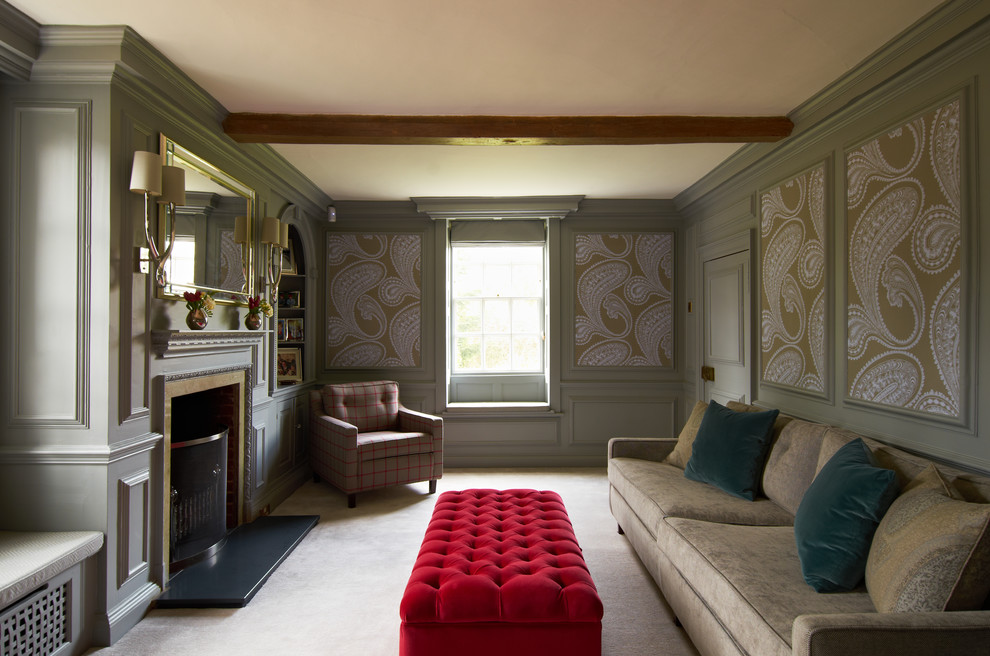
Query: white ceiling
[[513, 57]]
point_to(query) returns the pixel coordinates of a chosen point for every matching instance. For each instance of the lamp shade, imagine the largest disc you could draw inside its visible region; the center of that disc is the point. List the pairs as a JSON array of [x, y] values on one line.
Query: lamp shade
[[146, 173], [240, 230], [270, 231], [283, 236], [173, 185]]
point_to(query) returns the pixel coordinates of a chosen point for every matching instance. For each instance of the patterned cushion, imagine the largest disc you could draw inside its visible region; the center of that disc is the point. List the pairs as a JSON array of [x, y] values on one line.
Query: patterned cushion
[[374, 445], [370, 406], [682, 452], [931, 551]]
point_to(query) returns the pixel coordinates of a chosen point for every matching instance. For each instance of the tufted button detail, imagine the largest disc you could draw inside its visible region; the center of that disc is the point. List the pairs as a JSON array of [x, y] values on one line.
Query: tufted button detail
[[500, 555]]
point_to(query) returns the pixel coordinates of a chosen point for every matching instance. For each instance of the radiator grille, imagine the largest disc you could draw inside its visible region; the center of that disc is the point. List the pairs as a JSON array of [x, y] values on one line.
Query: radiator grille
[[37, 625]]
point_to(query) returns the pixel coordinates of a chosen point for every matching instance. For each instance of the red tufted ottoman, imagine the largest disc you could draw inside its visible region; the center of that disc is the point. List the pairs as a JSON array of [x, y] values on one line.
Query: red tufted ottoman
[[500, 572]]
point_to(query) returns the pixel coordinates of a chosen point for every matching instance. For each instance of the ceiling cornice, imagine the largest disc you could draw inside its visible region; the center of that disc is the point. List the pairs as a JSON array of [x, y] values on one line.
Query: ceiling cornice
[[502, 130], [18, 42]]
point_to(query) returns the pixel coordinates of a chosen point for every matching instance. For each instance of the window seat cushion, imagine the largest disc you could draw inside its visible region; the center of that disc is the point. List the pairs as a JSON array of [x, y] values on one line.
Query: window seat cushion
[[29, 558]]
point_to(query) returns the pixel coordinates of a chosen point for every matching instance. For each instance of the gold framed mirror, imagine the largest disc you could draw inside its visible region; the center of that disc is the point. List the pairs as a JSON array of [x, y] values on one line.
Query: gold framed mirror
[[211, 252]]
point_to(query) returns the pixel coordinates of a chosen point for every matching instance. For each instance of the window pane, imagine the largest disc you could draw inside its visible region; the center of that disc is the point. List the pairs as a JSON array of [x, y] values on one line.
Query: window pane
[[467, 317], [497, 279], [497, 317], [526, 353], [468, 353], [526, 316], [468, 278], [498, 353], [182, 262], [527, 279]]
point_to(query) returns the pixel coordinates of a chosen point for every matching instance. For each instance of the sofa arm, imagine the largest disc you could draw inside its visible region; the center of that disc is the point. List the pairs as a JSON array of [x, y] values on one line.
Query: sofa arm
[[420, 422], [919, 634], [643, 448], [334, 430]]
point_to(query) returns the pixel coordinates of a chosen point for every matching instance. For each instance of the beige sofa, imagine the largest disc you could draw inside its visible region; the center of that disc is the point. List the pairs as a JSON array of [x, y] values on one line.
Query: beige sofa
[[730, 569]]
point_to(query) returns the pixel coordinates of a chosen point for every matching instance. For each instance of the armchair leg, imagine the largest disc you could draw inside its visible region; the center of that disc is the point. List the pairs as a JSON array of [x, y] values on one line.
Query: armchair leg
[[351, 500], [433, 486]]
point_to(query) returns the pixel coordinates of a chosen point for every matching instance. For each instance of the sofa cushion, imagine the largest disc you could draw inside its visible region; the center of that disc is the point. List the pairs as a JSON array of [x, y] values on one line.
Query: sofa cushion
[[750, 578], [792, 463], [682, 451], [931, 551], [904, 464], [655, 490], [375, 445], [371, 406], [730, 449], [778, 425], [974, 487], [835, 522]]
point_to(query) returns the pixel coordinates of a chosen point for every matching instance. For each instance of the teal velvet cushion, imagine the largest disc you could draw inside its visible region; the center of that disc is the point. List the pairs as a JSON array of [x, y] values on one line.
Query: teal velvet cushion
[[730, 449], [838, 516]]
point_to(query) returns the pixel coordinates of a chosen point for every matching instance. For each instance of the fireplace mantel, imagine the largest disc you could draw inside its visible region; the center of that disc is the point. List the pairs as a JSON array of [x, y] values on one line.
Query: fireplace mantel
[[184, 343]]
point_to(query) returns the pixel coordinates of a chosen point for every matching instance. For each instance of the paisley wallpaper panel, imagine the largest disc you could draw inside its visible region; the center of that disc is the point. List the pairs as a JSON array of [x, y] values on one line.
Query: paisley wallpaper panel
[[231, 273], [374, 304], [793, 256], [624, 299], [904, 280]]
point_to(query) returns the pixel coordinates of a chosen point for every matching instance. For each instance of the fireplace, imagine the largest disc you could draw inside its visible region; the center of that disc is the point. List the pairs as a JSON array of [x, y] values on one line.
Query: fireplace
[[205, 378], [205, 415], [198, 492]]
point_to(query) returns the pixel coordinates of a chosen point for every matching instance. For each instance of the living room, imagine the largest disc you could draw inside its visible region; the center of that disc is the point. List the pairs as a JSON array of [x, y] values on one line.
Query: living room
[[86, 397]]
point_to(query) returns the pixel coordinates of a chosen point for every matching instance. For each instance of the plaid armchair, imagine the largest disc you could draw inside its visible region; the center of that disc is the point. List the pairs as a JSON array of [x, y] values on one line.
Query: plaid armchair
[[361, 438]]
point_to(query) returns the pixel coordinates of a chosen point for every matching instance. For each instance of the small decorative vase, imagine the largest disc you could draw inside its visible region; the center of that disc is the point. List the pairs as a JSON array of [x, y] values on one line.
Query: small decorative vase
[[196, 319], [252, 321]]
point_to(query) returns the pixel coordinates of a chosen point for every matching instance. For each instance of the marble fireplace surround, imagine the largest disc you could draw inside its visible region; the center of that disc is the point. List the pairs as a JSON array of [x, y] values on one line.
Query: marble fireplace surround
[[191, 362]]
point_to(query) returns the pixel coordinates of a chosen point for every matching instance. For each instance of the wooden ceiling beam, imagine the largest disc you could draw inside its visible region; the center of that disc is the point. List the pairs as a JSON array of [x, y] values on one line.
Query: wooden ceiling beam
[[502, 130]]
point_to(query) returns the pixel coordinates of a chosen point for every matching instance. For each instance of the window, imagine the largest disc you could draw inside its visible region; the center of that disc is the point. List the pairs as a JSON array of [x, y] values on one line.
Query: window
[[497, 309], [181, 264]]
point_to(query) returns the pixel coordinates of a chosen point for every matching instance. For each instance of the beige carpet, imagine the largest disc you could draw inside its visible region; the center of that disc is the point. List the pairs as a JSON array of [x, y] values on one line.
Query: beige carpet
[[338, 593]]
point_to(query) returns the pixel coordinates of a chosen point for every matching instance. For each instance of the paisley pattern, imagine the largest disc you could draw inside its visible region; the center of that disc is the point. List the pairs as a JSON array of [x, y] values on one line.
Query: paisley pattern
[[231, 270], [793, 256], [624, 293], [904, 284], [375, 293]]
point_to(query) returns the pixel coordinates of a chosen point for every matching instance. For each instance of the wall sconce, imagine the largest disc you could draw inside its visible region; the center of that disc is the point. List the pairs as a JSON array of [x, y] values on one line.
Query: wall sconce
[[167, 184], [272, 231]]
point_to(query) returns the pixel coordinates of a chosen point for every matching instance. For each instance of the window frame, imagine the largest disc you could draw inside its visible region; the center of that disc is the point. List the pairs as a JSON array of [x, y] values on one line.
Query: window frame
[[485, 299], [498, 388]]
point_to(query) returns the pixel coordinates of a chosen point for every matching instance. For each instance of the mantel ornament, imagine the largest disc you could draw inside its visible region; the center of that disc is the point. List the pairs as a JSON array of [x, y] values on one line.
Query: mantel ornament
[[200, 306]]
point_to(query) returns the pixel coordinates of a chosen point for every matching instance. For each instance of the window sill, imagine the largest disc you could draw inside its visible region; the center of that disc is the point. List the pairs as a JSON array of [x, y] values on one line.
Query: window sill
[[501, 409]]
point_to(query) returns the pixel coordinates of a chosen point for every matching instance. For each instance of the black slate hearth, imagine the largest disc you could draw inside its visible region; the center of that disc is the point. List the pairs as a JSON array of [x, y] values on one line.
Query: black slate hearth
[[231, 577]]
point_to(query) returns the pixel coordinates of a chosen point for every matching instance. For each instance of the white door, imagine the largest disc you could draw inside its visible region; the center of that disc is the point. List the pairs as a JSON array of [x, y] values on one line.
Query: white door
[[726, 341]]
